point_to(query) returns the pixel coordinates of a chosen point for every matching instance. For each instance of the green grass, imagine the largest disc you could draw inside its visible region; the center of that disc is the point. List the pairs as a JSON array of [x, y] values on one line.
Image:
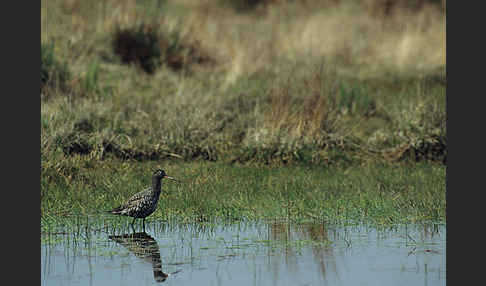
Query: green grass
[[54, 74], [377, 194]]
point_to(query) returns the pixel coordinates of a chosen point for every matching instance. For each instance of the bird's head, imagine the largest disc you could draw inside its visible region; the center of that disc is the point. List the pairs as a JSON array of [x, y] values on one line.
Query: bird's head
[[160, 174]]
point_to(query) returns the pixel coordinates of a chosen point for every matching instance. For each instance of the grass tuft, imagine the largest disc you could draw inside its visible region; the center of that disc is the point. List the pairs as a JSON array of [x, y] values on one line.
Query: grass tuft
[[138, 45], [54, 74]]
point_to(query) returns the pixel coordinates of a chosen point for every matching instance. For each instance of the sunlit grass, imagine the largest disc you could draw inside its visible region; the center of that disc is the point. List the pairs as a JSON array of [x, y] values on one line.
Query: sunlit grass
[[209, 191]]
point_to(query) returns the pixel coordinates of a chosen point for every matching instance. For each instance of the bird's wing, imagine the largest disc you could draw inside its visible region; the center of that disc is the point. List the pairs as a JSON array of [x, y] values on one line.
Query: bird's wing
[[137, 197]]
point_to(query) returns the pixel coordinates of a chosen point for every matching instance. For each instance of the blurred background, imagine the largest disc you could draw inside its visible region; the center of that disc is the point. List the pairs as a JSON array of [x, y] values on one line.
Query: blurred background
[[248, 81]]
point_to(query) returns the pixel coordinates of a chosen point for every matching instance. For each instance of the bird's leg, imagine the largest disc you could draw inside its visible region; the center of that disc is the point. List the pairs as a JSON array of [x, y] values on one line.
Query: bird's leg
[[143, 224], [133, 221]]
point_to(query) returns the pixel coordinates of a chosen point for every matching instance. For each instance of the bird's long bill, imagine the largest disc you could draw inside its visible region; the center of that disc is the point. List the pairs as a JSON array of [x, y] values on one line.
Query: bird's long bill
[[170, 178]]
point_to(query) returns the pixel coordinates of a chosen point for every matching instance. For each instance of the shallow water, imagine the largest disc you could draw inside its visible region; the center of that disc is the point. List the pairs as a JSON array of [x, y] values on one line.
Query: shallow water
[[271, 253]]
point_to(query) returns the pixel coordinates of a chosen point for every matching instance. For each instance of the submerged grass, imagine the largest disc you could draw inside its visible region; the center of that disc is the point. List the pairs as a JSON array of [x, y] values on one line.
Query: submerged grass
[[379, 194]]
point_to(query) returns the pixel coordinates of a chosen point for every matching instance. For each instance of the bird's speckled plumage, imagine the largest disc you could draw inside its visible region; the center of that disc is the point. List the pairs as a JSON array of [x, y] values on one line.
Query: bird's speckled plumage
[[140, 205], [144, 203]]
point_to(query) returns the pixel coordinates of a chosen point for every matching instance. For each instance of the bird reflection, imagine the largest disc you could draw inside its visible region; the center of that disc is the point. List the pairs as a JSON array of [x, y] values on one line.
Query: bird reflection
[[146, 248]]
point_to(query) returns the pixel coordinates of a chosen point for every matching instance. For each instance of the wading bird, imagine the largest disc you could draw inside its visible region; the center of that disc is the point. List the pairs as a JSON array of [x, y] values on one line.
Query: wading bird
[[144, 203]]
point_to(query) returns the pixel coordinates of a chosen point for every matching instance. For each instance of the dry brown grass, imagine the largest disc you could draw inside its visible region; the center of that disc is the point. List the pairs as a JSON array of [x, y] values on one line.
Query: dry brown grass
[[275, 80], [347, 35]]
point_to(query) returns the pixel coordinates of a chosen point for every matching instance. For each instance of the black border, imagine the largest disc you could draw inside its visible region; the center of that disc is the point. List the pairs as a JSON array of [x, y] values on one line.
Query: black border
[[20, 189]]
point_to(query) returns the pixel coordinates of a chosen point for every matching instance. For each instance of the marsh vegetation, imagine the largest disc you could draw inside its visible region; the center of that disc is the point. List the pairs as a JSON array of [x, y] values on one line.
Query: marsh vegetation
[[308, 110]]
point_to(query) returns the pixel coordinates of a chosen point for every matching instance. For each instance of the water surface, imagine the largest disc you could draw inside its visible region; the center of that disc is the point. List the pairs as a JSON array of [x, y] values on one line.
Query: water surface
[[270, 253]]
